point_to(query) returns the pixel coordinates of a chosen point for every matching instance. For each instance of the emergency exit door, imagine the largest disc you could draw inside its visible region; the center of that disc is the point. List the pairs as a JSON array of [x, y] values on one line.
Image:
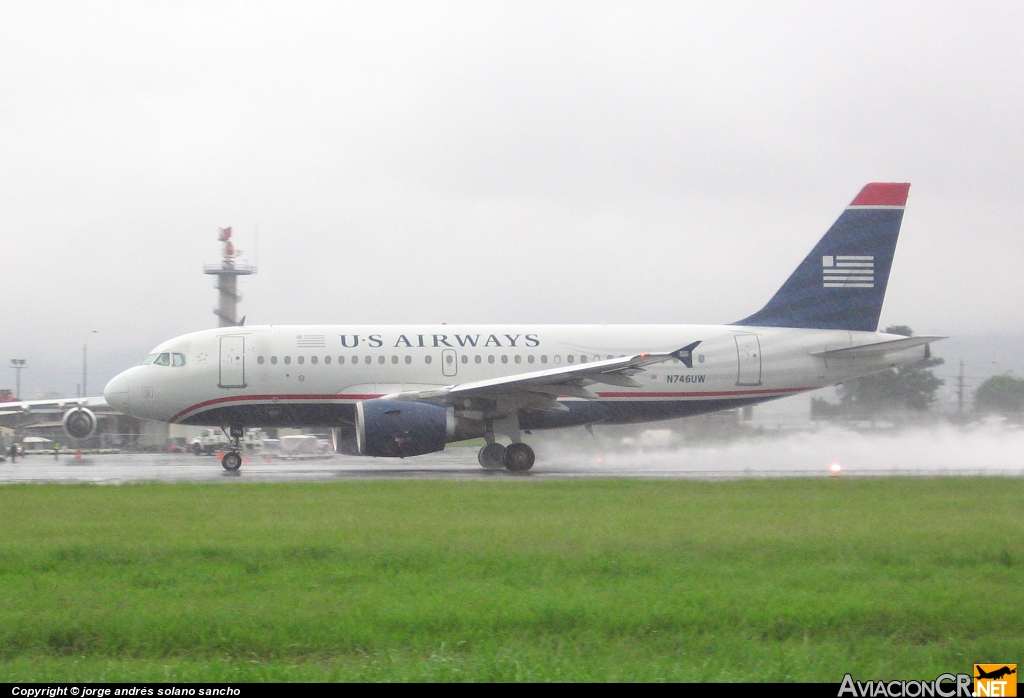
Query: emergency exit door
[[449, 362], [748, 355], [232, 362]]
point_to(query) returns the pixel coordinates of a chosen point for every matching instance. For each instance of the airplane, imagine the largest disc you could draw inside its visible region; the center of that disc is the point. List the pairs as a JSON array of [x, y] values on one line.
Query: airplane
[[407, 390], [995, 674], [78, 416]]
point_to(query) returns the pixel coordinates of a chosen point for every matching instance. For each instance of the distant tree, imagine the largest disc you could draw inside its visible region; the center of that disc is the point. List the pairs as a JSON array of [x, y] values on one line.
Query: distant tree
[[901, 389], [1002, 394]]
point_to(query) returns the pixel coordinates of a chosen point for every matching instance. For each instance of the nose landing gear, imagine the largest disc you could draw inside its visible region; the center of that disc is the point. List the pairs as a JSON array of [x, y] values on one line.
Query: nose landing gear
[[232, 460]]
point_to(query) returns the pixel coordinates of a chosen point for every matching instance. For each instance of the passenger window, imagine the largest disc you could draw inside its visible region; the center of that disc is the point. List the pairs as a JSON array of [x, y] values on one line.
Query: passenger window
[[543, 358], [426, 359], [465, 359], [327, 359], [529, 359], [302, 359], [369, 359], [504, 359], [558, 359], [273, 359], [178, 359], [519, 359], [490, 359], [394, 359], [570, 358], [341, 359], [583, 359], [380, 359], [355, 359], [449, 359], [287, 359], [408, 359], [163, 360], [477, 359], [259, 360], [312, 359]]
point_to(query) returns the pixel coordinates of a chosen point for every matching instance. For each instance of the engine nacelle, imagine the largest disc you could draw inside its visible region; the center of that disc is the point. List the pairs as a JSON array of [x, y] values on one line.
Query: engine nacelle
[[79, 423], [400, 428]]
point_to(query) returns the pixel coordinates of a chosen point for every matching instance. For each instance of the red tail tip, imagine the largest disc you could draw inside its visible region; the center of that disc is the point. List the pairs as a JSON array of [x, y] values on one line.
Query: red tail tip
[[883, 194]]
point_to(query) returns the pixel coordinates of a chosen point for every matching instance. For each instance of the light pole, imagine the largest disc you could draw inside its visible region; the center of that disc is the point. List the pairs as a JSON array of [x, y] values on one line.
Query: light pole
[[18, 365], [85, 361]]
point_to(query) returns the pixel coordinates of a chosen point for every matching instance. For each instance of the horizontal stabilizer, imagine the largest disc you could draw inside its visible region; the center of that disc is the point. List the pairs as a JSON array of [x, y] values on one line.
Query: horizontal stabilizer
[[877, 348]]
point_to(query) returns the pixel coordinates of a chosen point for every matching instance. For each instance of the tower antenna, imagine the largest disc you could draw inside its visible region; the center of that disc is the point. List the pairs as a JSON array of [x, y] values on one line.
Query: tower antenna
[[227, 273]]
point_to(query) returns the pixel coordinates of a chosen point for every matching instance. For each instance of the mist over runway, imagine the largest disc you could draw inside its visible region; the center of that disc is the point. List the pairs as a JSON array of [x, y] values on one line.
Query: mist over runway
[[935, 452]]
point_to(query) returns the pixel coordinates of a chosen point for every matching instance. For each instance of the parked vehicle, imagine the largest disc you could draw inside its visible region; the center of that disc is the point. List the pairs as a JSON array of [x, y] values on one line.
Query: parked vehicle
[[212, 440]]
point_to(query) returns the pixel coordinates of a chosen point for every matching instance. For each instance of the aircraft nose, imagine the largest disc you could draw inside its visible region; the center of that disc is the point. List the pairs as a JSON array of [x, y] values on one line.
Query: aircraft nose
[[116, 393]]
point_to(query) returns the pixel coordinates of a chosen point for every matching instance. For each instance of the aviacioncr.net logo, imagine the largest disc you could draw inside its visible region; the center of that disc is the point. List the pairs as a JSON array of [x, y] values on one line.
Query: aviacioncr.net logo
[[944, 686]]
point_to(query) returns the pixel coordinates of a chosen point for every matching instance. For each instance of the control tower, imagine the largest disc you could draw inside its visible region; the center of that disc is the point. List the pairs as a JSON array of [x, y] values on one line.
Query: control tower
[[227, 273]]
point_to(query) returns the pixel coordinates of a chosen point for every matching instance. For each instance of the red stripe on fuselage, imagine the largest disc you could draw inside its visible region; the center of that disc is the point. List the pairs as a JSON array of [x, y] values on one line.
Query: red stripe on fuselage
[[271, 399], [355, 398]]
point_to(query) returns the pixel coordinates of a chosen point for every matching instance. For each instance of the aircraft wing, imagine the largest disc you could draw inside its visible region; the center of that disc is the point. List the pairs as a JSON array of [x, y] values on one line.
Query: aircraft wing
[[544, 387]]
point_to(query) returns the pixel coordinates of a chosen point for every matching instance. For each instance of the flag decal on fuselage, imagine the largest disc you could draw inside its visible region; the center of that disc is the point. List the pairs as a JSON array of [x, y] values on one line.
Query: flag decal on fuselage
[[848, 271]]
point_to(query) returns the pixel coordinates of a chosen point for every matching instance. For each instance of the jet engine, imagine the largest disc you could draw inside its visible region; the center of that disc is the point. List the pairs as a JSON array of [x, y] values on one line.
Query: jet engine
[[79, 422], [400, 428]]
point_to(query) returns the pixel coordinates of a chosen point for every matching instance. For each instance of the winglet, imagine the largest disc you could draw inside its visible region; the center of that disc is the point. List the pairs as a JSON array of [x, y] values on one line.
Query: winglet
[[685, 354]]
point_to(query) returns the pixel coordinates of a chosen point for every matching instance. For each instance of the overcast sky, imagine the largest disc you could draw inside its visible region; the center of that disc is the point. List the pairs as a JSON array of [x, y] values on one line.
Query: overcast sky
[[491, 162]]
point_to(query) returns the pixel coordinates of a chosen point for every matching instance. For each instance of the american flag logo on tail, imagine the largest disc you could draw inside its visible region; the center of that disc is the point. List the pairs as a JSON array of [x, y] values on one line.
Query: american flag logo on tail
[[848, 271]]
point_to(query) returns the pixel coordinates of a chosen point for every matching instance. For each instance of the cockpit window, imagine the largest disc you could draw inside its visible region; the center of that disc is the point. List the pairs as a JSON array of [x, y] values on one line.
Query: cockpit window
[[177, 359], [149, 359], [163, 360]]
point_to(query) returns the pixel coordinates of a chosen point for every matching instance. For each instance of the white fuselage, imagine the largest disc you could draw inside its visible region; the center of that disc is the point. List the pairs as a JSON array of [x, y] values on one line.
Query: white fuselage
[[301, 375]]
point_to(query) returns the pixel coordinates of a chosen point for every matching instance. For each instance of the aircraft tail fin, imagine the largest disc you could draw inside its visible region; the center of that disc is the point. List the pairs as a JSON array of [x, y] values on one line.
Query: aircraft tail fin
[[841, 284]]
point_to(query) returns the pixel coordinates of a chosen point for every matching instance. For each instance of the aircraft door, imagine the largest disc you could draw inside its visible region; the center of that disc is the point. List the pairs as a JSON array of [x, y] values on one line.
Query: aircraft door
[[748, 354], [232, 362], [449, 362]]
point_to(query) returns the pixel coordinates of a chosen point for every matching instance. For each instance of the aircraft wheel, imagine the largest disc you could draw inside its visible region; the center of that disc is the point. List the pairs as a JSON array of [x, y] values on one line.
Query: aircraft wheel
[[231, 461], [490, 456], [196, 449], [519, 458]]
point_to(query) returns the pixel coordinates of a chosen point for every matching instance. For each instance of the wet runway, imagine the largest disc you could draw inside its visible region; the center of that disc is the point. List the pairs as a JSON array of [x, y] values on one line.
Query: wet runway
[[931, 453]]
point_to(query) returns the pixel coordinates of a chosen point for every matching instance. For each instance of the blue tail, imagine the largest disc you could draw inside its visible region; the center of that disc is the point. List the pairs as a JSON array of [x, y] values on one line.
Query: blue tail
[[841, 284]]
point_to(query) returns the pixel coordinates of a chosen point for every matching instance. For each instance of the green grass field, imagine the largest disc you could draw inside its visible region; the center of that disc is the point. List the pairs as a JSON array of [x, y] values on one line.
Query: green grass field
[[514, 580]]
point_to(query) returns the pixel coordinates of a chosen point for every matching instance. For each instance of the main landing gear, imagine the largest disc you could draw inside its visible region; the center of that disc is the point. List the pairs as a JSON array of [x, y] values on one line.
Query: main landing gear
[[232, 460], [516, 458]]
